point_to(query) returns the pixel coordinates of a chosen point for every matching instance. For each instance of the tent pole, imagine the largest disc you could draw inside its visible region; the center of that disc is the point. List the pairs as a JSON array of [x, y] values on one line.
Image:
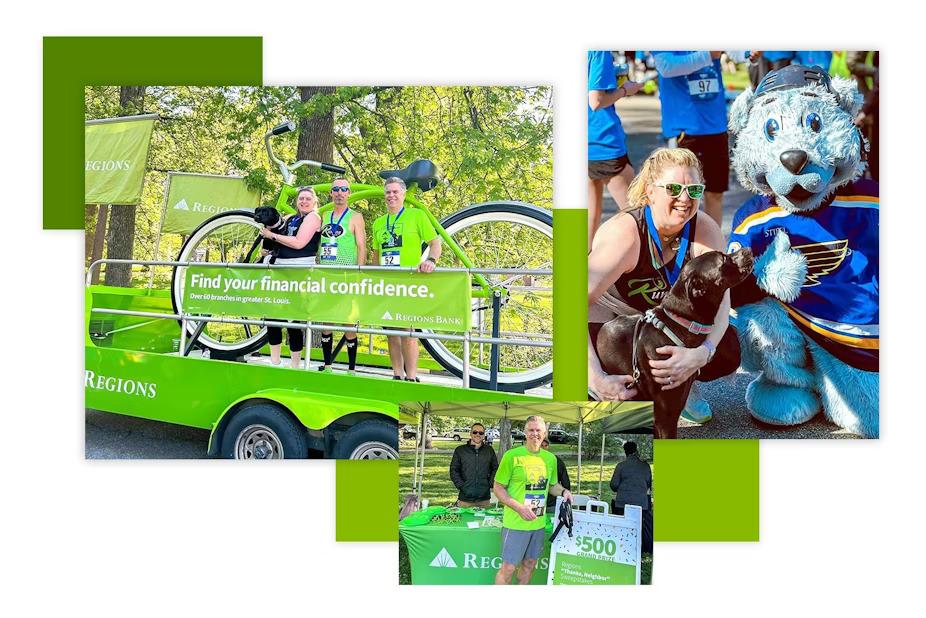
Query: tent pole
[[601, 469], [579, 480], [415, 475], [422, 437]]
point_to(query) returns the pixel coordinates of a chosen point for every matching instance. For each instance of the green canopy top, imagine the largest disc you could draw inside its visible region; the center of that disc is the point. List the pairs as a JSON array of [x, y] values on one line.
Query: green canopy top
[[619, 415]]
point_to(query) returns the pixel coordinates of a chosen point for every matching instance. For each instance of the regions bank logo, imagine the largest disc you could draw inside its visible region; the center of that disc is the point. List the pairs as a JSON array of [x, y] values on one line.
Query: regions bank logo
[[444, 559]]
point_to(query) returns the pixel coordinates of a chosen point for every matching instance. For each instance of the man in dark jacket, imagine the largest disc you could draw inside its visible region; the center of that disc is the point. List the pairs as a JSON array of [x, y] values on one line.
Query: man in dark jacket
[[562, 474], [631, 483], [472, 469]]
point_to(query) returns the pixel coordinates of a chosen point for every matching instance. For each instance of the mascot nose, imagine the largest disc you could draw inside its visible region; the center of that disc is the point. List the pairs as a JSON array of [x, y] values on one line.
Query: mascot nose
[[794, 160]]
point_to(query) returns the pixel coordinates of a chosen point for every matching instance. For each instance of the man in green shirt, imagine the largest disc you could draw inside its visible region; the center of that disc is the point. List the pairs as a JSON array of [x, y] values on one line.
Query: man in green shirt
[[397, 239], [524, 477]]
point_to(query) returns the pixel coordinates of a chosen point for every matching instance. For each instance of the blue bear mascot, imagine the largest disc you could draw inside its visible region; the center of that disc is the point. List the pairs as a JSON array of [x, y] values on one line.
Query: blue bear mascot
[[808, 318]]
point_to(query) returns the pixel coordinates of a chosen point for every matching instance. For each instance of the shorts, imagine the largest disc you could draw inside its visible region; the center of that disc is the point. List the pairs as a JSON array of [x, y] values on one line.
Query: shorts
[[608, 169], [519, 545], [713, 151]]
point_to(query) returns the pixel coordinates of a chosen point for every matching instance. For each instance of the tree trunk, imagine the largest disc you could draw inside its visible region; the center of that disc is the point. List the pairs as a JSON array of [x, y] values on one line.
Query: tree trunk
[[316, 142], [120, 240], [316, 132], [504, 438], [99, 236]]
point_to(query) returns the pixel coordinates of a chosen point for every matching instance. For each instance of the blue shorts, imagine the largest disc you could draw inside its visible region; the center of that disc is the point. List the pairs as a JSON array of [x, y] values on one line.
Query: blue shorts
[[518, 545]]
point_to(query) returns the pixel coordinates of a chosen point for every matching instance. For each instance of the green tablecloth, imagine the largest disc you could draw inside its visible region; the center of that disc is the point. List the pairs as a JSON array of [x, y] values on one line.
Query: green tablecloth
[[454, 553]]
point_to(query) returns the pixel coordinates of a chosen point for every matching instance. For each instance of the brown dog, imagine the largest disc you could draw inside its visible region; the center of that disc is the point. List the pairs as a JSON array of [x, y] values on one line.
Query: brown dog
[[687, 312]]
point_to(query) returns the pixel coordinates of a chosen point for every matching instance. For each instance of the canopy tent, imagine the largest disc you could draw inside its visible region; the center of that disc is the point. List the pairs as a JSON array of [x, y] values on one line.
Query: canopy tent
[[626, 414]]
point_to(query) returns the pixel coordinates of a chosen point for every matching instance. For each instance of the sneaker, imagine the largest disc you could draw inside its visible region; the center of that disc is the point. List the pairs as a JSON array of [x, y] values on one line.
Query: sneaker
[[696, 408]]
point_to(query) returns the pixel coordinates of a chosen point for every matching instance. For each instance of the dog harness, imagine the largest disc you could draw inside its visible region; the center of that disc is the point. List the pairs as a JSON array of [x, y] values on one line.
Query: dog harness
[[651, 318]]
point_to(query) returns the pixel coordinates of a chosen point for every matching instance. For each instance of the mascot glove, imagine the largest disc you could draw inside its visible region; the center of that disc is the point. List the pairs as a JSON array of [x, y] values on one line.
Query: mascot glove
[[781, 271]]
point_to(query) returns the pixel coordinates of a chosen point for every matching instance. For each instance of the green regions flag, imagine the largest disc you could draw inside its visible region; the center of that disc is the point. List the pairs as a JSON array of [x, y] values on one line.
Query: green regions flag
[[435, 301], [115, 154], [193, 198]]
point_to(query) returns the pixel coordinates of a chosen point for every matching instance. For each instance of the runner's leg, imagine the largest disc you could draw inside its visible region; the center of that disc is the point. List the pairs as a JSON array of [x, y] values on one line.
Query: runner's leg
[[327, 340], [526, 571], [410, 356], [713, 205], [395, 356], [503, 577], [618, 186], [351, 350]]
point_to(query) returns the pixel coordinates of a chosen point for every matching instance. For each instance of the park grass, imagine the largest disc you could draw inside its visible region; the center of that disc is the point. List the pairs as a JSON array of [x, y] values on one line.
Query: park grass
[[438, 488], [738, 80]]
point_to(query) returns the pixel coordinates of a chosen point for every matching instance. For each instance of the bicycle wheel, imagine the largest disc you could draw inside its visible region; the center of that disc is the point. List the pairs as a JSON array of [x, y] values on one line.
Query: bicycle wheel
[[227, 237], [505, 235]]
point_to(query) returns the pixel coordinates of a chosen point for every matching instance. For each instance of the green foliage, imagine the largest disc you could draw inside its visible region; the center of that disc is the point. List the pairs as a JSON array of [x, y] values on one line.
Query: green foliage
[[490, 143]]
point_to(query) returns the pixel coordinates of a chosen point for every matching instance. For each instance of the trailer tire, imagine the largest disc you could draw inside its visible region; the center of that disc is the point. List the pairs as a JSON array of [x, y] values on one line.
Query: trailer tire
[[264, 431], [372, 439]]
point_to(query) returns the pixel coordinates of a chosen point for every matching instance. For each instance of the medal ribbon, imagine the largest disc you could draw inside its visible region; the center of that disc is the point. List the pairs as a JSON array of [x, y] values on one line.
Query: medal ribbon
[[672, 271]]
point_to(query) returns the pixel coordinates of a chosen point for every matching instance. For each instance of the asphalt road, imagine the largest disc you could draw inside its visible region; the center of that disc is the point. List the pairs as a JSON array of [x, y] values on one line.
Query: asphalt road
[[113, 436], [640, 116]]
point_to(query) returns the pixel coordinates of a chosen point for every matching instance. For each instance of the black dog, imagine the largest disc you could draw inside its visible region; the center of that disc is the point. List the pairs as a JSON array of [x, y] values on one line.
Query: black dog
[[270, 218], [627, 343]]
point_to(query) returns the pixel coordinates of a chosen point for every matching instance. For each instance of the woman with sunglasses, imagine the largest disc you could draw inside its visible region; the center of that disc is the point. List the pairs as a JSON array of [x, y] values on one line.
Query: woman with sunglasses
[[637, 256], [298, 245]]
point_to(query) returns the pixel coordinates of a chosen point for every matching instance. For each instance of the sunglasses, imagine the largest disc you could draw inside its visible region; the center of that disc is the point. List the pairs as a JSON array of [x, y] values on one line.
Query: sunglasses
[[674, 189], [479, 433], [341, 189]]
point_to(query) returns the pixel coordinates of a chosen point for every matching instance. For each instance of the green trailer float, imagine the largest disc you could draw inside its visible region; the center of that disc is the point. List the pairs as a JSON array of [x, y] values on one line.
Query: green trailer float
[[139, 361]]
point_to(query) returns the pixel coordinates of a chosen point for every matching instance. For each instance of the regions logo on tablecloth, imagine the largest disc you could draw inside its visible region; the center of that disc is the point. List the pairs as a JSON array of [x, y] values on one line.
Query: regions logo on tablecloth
[[444, 559]]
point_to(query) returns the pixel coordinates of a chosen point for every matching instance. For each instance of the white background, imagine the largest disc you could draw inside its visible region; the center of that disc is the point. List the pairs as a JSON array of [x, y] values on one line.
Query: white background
[[840, 521]]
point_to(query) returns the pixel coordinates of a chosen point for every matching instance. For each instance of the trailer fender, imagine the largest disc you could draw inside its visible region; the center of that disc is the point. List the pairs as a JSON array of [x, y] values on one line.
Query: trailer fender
[[315, 411]]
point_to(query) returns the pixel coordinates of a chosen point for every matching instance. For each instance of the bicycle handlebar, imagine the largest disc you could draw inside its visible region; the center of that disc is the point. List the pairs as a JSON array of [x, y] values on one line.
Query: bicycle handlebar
[[331, 167], [287, 170], [282, 128]]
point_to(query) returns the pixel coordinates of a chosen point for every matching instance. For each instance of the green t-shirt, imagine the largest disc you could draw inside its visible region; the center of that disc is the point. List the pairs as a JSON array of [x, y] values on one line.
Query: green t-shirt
[[398, 238], [528, 478]]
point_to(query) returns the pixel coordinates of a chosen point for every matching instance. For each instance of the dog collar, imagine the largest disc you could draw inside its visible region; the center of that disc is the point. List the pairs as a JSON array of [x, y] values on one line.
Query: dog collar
[[690, 325]]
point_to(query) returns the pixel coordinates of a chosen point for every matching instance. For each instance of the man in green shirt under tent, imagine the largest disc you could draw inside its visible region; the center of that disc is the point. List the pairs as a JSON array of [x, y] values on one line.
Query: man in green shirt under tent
[[397, 239], [525, 476]]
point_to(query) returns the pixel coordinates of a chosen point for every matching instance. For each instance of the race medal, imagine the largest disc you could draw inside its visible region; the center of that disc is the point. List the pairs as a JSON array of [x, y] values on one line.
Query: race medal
[[393, 243], [704, 84], [330, 233]]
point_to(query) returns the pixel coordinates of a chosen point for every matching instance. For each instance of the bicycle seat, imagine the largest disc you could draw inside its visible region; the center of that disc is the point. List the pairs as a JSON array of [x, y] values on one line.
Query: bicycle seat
[[422, 172]]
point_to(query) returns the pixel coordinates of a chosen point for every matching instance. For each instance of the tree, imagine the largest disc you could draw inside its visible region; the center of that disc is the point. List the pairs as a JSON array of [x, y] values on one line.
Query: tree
[[120, 240]]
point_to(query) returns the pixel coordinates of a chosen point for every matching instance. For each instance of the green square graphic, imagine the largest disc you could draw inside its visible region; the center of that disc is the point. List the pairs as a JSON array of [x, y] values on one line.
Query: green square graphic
[[365, 500], [69, 64], [706, 490]]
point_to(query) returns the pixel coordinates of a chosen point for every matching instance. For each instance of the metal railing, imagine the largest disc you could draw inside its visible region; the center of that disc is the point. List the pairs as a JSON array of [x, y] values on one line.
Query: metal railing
[[466, 338]]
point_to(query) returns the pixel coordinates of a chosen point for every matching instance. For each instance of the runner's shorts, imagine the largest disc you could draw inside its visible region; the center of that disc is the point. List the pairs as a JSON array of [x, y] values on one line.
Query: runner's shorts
[[518, 545], [608, 169], [713, 151]]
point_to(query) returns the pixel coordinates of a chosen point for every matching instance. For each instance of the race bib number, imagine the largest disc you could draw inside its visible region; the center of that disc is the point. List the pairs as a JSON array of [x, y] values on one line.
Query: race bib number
[[704, 84], [536, 502], [389, 258], [329, 253]]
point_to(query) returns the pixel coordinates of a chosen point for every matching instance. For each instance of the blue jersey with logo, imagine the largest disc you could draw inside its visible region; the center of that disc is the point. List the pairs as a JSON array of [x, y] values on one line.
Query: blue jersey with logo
[[814, 57], [838, 303], [693, 103], [606, 138]]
